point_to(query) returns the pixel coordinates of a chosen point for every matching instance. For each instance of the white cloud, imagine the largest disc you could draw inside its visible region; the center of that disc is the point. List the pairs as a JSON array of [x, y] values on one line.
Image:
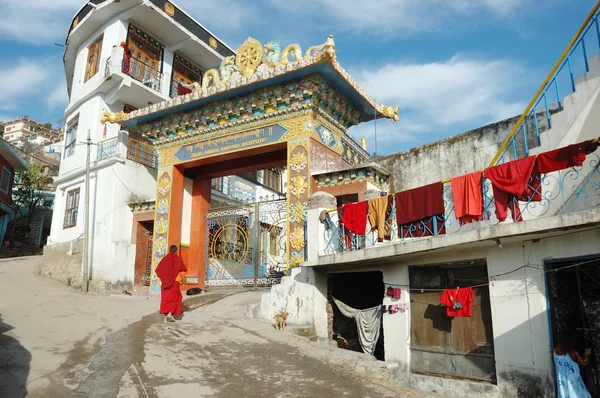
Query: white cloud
[[439, 98], [58, 97], [25, 80], [401, 17], [38, 22]]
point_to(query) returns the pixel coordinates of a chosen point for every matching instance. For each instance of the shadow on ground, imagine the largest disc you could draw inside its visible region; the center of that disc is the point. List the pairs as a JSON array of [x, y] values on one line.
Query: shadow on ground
[[14, 364]]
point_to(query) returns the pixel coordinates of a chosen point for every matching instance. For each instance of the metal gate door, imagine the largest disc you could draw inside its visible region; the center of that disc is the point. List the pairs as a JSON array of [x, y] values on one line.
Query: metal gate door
[[247, 243], [574, 295]]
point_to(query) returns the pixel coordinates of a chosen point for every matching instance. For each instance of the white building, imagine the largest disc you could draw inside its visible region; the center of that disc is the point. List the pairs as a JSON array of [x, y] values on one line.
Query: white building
[[24, 130], [168, 47]]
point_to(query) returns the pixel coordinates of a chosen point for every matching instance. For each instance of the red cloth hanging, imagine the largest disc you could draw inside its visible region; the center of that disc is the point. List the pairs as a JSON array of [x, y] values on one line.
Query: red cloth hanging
[[354, 217], [458, 302], [509, 182], [419, 206], [416, 204], [397, 293], [181, 90], [563, 158], [467, 192]]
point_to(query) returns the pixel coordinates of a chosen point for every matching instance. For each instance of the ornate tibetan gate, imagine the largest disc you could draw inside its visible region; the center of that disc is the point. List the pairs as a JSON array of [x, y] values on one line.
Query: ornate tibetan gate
[[265, 106], [247, 243]]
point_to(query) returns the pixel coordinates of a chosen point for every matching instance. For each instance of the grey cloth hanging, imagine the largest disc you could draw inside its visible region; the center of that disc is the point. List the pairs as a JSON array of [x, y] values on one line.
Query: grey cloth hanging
[[368, 323]]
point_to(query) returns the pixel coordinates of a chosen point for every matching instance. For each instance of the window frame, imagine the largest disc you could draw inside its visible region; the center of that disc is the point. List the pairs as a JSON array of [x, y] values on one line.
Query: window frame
[[74, 209], [72, 127], [94, 49], [9, 173]]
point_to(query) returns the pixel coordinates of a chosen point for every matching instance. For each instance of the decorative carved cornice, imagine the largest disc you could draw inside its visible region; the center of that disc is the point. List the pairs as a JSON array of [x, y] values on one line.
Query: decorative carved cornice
[[255, 63]]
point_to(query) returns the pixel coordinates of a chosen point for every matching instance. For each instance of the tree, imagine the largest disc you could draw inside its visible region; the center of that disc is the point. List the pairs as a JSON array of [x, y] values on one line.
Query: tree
[[1, 129], [48, 125], [30, 187]]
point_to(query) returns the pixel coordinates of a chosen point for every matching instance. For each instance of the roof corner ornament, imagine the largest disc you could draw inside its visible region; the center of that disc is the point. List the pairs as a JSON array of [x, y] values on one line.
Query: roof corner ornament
[[109, 117], [390, 112]]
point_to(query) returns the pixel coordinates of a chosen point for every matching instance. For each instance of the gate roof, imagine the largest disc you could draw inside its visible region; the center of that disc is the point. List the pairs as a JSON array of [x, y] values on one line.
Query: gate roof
[[255, 67]]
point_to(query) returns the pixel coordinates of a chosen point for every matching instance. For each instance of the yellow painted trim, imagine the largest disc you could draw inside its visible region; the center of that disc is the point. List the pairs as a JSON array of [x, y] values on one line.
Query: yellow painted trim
[[535, 97]]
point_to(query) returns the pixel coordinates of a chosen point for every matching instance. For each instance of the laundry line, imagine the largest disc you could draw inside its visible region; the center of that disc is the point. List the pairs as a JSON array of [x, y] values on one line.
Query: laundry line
[[594, 141]]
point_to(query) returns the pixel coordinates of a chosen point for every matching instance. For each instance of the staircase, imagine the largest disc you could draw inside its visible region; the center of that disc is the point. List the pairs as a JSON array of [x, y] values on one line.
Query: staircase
[[564, 111], [559, 111]]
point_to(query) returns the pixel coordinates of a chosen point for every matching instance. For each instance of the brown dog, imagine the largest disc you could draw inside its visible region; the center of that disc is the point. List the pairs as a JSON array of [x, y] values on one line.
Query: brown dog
[[280, 323]]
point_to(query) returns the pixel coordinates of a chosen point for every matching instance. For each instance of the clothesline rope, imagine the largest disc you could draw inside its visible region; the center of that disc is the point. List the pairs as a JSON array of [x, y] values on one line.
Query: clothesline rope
[[495, 276], [594, 141]]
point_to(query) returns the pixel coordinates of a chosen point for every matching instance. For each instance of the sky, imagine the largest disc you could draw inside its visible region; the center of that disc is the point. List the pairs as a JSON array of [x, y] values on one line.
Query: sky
[[451, 66]]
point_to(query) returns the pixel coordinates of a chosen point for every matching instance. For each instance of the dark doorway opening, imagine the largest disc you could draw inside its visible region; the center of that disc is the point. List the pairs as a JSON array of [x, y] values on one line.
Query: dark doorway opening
[[143, 253], [574, 295], [360, 290]]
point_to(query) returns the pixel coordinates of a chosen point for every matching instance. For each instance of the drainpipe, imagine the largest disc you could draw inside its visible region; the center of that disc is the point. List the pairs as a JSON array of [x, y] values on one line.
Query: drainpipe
[[86, 221]]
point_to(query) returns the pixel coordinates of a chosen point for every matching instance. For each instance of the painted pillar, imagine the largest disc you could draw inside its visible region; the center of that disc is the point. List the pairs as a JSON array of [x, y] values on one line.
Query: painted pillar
[[167, 224], [298, 172], [198, 233]]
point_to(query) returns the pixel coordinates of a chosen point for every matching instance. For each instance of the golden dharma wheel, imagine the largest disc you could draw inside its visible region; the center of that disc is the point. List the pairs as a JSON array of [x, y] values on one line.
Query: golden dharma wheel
[[249, 57]]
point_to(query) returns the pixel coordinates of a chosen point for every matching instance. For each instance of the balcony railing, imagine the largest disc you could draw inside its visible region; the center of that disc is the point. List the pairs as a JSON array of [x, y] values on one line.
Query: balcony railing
[[559, 82], [107, 149], [141, 152], [560, 192], [138, 70]]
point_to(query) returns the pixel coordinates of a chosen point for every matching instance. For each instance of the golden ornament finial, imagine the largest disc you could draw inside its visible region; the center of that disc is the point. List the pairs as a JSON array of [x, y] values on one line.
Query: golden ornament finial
[[363, 143], [108, 117], [390, 112]]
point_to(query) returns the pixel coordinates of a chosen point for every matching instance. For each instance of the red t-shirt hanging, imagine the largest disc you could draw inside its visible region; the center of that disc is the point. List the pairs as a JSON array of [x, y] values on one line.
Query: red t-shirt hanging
[[462, 296]]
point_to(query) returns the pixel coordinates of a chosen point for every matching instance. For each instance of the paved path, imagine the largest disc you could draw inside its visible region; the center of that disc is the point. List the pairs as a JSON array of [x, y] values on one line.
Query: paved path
[[55, 342]]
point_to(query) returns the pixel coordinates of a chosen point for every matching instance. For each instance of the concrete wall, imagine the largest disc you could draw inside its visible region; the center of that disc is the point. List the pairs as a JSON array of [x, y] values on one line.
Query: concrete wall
[[447, 158], [63, 262], [295, 295]]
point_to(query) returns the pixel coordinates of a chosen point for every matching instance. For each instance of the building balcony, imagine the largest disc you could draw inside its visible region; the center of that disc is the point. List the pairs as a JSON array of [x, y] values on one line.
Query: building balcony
[[560, 194], [132, 81]]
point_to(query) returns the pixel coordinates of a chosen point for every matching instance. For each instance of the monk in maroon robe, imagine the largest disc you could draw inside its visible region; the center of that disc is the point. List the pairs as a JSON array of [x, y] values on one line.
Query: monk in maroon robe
[[170, 293]]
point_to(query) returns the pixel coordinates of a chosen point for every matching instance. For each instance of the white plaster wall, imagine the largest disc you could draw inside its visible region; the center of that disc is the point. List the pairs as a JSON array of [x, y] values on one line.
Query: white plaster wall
[[58, 234], [115, 31], [113, 188], [294, 295], [167, 70], [186, 214]]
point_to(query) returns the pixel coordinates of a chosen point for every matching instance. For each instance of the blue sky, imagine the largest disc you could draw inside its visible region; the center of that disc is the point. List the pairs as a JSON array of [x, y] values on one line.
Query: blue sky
[[451, 66]]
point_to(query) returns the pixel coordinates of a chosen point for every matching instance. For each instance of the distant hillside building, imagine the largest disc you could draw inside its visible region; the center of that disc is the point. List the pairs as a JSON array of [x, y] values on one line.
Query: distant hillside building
[[21, 131]]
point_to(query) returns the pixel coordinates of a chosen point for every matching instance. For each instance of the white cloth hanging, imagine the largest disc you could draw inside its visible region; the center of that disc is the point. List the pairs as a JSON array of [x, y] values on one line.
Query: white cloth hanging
[[368, 323]]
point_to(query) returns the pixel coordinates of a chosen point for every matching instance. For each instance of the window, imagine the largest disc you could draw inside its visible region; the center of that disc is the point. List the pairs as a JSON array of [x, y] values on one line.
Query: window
[[147, 56], [71, 208], [184, 71], [71, 137], [93, 61], [5, 180]]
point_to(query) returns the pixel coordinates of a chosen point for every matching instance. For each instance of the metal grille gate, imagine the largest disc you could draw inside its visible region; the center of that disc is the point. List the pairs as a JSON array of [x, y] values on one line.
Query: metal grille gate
[[574, 295], [247, 243]]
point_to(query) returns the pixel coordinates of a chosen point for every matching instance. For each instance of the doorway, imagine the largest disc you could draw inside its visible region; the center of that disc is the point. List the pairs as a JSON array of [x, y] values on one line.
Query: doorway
[[359, 290], [143, 253], [574, 296]]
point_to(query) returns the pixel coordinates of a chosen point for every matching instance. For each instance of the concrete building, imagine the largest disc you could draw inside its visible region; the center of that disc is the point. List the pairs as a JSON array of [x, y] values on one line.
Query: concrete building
[[531, 279], [22, 131]]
